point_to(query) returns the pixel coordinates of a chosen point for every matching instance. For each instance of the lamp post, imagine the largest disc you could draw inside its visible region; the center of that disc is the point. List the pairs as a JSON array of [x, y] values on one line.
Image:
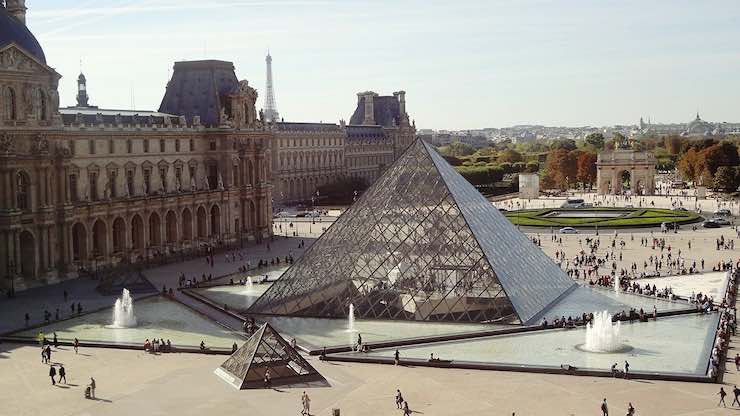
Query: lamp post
[[11, 276]]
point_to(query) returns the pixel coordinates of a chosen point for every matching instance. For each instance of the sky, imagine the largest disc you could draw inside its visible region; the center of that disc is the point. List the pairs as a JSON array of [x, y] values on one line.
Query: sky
[[464, 64]]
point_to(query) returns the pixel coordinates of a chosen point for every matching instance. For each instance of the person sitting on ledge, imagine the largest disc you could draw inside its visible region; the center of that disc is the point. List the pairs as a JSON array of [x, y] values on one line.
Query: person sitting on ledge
[[147, 345], [233, 348], [202, 346]]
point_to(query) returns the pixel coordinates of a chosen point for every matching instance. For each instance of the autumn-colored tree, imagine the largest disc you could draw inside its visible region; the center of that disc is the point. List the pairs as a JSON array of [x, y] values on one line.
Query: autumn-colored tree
[[561, 168], [689, 165], [586, 168], [596, 140], [721, 154]]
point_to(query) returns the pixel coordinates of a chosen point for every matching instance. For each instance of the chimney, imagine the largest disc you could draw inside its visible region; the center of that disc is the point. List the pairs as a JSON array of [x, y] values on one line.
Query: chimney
[[369, 108], [401, 104], [17, 9]]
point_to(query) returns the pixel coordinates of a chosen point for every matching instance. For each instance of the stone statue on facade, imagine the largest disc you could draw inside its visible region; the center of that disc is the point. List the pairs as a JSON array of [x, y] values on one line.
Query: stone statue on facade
[[117, 119], [196, 120], [178, 186], [182, 121], [193, 186], [167, 121], [98, 118], [144, 191], [220, 182], [206, 185], [40, 145]]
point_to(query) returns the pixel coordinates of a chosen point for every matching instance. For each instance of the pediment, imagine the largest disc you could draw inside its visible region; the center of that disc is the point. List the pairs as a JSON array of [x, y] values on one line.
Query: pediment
[[16, 59]]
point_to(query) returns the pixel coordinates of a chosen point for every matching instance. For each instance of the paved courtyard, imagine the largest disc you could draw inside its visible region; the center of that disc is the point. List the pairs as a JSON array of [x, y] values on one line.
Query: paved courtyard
[[133, 382]]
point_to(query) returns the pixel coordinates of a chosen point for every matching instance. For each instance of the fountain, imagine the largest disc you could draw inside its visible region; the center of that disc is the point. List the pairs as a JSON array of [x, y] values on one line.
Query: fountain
[[351, 319], [123, 311], [602, 336]]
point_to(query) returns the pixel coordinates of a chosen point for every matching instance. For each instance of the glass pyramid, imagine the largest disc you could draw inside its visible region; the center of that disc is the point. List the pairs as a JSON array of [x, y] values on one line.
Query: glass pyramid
[[421, 244], [266, 350]]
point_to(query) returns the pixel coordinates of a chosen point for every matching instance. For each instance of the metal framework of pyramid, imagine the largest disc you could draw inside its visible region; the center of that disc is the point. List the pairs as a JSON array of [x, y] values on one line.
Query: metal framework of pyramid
[[264, 350], [421, 244]]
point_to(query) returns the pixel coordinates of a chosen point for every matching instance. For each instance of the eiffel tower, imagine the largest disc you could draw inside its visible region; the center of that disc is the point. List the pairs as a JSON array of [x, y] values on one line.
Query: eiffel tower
[[271, 113]]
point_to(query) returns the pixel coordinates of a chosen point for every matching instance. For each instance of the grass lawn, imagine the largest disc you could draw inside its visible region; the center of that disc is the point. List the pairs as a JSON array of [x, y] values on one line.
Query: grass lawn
[[631, 217]]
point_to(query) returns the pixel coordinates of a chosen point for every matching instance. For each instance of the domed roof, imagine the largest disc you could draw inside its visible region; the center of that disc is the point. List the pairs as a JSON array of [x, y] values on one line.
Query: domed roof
[[11, 30]]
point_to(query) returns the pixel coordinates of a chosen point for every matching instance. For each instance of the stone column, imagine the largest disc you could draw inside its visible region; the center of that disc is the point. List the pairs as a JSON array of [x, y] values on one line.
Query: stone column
[[44, 241]]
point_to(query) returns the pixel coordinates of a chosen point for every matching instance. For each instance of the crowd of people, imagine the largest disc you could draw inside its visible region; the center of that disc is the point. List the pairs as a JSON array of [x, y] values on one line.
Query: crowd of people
[[727, 326], [156, 346]]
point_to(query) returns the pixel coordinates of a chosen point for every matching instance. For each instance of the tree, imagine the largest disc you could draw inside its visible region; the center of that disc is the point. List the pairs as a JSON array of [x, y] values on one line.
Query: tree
[[561, 167], [457, 149], [509, 156], [722, 154], [586, 168], [726, 179], [567, 144], [673, 144], [691, 165], [596, 140]]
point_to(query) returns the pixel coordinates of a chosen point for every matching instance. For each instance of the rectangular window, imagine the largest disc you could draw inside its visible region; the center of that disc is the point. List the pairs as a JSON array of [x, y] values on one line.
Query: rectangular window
[[93, 177], [129, 146], [148, 180], [91, 144], [113, 181], [130, 181], [177, 145], [163, 178], [212, 145], [74, 196], [72, 146], [111, 146], [192, 145], [161, 145], [146, 145]]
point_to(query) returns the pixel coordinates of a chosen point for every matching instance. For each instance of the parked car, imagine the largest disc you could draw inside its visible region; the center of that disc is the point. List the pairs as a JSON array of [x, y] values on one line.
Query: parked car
[[720, 220], [723, 212], [710, 224], [573, 203], [568, 230]]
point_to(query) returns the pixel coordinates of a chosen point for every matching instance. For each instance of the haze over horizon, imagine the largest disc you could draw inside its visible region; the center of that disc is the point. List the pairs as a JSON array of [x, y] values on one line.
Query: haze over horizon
[[464, 65]]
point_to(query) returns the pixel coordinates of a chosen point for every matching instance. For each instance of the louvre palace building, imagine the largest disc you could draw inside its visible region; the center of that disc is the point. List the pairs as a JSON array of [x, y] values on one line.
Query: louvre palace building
[[85, 188]]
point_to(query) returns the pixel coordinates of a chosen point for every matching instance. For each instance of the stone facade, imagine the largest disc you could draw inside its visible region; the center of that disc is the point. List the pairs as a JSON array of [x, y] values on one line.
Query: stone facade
[[616, 166], [308, 155], [83, 188]]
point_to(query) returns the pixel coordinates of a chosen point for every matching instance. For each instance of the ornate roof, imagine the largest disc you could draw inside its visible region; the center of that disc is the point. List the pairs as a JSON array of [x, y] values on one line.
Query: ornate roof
[[386, 110], [197, 88], [13, 31]]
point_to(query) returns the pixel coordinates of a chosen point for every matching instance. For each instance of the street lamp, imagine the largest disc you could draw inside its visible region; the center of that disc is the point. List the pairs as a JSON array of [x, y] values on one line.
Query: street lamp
[[11, 275]]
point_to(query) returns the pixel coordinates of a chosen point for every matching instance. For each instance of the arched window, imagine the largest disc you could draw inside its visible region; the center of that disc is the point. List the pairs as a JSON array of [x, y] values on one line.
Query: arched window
[[9, 104], [23, 191]]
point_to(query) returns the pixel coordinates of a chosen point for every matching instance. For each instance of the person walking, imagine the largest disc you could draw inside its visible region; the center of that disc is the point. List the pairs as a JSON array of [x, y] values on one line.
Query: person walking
[[630, 409], [52, 374], [604, 408], [626, 369], [306, 402], [62, 374], [396, 358], [92, 387], [399, 399], [43, 356], [76, 345], [736, 392], [722, 395], [406, 410], [268, 379], [56, 341]]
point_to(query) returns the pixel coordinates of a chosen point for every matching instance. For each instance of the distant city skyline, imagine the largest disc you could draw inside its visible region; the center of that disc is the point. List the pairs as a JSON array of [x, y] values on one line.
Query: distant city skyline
[[464, 65]]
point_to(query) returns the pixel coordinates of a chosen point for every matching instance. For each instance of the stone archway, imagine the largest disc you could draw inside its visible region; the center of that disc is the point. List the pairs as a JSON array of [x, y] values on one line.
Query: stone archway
[[215, 220], [119, 235], [27, 268], [155, 228], [100, 239], [187, 225], [79, 243], [137, 232], [620, 171], [201, 219], [171, 227]]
